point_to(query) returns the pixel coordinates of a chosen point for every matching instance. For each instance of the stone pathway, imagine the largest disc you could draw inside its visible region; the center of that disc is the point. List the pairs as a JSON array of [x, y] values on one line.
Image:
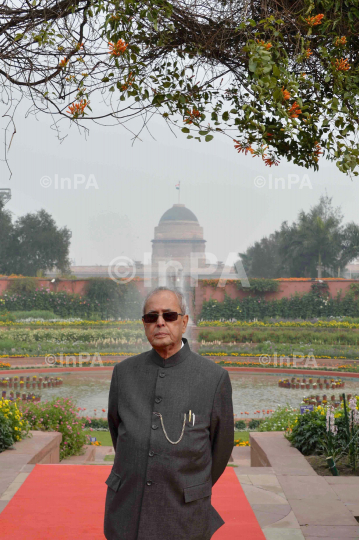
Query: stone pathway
[[292, 502], [266, 497]]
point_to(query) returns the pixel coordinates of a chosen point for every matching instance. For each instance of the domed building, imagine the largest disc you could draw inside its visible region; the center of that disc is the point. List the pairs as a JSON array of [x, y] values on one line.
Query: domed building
[[177, 235]]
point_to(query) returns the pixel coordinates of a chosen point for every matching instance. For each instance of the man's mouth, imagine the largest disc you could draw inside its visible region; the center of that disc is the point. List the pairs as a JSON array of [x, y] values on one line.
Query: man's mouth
[[160, 335]]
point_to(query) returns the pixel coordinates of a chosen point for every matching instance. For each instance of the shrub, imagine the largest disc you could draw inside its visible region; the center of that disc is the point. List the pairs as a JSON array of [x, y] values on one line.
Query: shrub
[[61, 303], [308, 431], [305, 306], [24, 285], [240, 424], [282, 419], [254, 423], [6, 316], [58, 415], [34, 314], [12, 426], [100, 424]]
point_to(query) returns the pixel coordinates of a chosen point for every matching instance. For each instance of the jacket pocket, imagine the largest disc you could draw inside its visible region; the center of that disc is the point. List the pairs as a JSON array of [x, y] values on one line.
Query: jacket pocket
[[199, 491], [113, 481]]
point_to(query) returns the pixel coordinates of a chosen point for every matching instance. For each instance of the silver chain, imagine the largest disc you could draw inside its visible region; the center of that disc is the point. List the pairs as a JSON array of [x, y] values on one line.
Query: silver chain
[[164, 431]]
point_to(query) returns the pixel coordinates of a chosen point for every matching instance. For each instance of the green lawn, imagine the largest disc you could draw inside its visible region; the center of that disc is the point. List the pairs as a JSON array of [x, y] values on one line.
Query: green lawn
[[103, 437], [241, 435]]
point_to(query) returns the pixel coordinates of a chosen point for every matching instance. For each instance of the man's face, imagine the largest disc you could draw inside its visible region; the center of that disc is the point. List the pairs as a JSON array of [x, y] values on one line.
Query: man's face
[[162, 334]]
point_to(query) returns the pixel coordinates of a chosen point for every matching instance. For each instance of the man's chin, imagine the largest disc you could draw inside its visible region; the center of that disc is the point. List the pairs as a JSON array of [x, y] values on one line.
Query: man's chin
[[162, 341]]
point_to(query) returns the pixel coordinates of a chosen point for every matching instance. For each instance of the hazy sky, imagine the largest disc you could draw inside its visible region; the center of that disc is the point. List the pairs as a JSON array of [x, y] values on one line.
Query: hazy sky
[[136, 185]]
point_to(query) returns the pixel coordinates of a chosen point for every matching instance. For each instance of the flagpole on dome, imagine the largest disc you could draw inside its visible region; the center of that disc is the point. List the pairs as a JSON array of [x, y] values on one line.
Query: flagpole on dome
[[178, 186]]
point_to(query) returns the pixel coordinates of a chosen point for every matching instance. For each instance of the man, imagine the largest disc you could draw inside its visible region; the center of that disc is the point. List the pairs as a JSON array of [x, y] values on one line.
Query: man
[[170, 416]]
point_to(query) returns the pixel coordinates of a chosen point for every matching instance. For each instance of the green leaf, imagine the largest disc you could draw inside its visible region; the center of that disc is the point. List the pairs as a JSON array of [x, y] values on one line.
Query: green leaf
[[203, 132], [208, 138], [185, 130], [276, 70], [225, 116]]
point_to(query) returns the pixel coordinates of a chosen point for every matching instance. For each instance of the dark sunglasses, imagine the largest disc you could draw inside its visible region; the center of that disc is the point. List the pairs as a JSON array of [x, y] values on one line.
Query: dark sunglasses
[[168, 316]]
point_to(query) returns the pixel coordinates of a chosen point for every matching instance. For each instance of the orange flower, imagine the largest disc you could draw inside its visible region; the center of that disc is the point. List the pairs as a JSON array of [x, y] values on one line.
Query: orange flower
[[77, 108], [269, 161], [265, 45], [295, 111], [340, 41], [286, 94], [117, 49], [129, 82], [314, 21], [63, 62], [317, 151], [342, 64], [238, 146], [192, 115], [308, 52]]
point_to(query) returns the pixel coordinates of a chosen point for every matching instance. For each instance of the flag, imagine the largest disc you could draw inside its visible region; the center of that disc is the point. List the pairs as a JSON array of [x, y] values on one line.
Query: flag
[[177, 186]]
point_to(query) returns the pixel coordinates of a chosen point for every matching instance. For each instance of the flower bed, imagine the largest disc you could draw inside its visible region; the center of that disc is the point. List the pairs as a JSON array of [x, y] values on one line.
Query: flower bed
[[329, 432]]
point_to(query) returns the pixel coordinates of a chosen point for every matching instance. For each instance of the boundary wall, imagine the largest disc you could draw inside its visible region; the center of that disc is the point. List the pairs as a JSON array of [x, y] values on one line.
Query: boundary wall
[[203, 292]]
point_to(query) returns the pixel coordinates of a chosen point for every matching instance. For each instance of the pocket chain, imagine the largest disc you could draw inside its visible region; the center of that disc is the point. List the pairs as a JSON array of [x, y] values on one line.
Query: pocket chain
[[164, 431]]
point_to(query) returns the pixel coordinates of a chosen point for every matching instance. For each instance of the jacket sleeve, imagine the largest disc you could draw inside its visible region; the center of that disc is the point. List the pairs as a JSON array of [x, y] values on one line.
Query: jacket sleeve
[[222, 427], [112, 416]]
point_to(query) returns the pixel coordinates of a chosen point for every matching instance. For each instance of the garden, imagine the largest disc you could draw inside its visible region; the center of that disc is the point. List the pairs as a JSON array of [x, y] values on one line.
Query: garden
[[36, 322]]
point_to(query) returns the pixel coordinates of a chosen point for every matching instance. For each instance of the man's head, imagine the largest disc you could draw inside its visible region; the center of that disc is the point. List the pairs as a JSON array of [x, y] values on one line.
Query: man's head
[[165, 335]]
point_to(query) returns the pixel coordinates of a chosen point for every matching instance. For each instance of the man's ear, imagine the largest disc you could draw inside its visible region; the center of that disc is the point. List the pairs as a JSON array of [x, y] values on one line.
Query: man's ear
[[185, 322]]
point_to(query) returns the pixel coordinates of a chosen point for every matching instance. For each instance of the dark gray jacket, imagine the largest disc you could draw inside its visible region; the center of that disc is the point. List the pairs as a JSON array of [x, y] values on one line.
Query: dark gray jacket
[[158, 490]]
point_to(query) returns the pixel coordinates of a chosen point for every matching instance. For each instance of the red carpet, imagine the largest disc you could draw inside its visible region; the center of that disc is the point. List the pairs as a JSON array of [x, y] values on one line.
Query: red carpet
[[66, 502]]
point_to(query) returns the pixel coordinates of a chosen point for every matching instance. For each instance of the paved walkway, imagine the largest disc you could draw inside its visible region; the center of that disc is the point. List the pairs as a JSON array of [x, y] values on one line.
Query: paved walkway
[[290, 507], [294, 505]]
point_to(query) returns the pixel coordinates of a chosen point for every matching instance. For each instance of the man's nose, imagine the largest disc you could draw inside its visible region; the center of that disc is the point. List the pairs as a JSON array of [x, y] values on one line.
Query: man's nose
[[160, 320]]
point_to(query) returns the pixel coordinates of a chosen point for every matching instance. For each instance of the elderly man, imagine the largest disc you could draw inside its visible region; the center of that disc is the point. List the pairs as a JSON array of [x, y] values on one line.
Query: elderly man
[[170, 416]]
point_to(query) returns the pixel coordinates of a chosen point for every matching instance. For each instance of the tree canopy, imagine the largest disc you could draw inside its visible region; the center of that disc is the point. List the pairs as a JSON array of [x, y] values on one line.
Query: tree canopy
[[33, 243], [278, 77], [316, 238]]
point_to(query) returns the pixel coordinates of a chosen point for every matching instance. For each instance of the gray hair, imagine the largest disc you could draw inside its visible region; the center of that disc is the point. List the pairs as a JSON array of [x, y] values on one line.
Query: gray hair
[[180, 297]]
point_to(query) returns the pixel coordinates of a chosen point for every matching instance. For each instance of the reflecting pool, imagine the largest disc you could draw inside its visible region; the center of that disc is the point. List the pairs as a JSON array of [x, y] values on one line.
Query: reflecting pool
[[251, 391]]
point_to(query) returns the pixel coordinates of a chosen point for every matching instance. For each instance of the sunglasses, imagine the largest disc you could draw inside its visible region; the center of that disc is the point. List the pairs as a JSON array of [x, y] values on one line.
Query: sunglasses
[[168, 316]]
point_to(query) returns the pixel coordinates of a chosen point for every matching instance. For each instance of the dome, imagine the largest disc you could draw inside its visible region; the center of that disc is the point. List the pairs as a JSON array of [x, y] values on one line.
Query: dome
[[178, 212]]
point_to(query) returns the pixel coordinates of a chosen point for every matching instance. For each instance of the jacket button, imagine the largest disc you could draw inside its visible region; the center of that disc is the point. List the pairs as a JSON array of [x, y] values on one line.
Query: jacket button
[[162, 374], [158, 399], [154, 426], [151, 453], [149, 483]]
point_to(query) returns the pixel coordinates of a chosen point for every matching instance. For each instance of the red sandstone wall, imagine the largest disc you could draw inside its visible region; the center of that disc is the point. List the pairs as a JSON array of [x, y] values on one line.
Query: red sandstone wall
[[201, 293]]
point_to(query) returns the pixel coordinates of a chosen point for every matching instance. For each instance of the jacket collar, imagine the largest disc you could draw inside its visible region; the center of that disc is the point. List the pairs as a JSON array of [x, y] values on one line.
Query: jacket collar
[[173, 360]]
